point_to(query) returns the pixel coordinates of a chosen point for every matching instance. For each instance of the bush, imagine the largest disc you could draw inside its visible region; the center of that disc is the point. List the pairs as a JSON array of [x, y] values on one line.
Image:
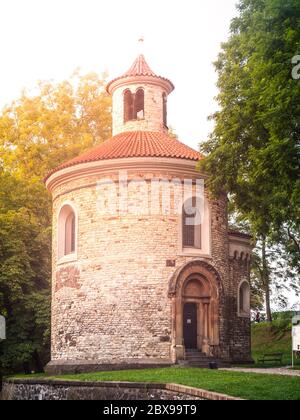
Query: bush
[[288, 315]]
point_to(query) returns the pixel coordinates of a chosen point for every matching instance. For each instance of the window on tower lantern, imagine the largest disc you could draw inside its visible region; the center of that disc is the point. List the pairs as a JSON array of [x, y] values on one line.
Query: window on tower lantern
[[134, 105], [191, 225], [128, 106], [139, 103]]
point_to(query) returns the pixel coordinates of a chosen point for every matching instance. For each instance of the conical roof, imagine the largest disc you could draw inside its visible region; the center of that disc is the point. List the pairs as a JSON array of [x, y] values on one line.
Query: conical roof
[[135, 144], [140, 68]]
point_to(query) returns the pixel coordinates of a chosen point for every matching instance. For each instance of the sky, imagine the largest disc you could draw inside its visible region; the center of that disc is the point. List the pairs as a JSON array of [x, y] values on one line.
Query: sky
[[49, 39]]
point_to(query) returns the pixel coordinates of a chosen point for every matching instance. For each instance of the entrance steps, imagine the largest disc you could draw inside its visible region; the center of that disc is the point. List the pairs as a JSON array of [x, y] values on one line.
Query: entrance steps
[[194, 358]]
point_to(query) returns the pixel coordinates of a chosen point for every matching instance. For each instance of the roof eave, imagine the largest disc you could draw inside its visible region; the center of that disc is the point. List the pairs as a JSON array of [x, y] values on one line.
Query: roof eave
[[148, 79]]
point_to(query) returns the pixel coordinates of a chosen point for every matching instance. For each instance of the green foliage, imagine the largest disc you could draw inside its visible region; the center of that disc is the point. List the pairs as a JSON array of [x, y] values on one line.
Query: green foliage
[[37, 133], [285, 316], [283, 278], [253, 152], [273, 338], [254, 149], [25, 274]]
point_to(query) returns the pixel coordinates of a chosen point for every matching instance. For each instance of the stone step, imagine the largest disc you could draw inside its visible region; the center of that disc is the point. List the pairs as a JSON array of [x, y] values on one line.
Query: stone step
[[202, 365], [199, 360], [205, 363], [196, 356]]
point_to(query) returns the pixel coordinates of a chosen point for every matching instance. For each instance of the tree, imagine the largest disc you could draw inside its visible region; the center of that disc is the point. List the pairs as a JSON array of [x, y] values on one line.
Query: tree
[[62, 120], [25, 272], [270, 272], [253, 152], [37, 133]]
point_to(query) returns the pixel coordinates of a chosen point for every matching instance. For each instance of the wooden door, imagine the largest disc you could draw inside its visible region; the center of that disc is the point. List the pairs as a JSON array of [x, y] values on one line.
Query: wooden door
[[190, 325]]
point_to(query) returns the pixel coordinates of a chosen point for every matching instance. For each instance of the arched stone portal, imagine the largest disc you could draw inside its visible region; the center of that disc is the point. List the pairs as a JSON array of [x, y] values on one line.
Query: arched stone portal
[[195, 291]]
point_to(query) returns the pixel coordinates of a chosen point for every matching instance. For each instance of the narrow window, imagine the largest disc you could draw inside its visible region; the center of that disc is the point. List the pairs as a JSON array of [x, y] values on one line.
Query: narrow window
[[70, 234], [244, 299], [165, 111], [128, 106], [139, 105], [242, 303], [191, 228], [66, 232], [188, 228]]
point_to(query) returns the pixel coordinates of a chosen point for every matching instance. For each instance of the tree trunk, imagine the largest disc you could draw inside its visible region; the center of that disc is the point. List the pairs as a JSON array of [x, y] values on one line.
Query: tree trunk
[[266, 281], [268, 304], [37, 362], [26, 368]]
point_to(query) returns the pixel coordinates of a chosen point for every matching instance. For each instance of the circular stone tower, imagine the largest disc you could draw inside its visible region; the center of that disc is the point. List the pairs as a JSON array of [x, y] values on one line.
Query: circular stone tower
[[145, 271]]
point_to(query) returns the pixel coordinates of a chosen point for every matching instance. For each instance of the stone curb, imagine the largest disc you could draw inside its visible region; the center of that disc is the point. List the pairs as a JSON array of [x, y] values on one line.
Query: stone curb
[[182, 389], [201, 393]]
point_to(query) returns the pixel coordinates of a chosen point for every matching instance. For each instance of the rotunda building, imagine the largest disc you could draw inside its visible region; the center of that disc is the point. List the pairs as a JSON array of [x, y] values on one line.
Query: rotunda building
[[145, 269]]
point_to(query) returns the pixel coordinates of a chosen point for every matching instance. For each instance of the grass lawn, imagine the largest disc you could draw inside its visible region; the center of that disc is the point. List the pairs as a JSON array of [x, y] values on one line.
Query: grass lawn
[[266, 338], [272, 338], [244, 385]]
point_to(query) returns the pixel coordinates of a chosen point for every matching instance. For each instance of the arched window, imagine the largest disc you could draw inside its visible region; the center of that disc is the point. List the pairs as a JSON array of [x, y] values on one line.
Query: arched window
[[128, 106], [134, 105], [70, 234], [244, 299], [191, 225], [66, 231], [165, 110], [139, 105]]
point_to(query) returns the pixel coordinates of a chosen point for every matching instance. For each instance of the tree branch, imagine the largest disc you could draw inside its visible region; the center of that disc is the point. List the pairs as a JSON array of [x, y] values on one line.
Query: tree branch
[[293, 238]]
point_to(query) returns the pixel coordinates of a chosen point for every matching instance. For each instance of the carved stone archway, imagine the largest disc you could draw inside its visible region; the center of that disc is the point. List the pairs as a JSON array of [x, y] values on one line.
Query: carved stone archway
[[199, 283]]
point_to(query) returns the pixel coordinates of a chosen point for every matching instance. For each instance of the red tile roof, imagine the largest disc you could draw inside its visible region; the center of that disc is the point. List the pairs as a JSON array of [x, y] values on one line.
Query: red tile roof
[[135, 144], [140, 68], [240, 234]]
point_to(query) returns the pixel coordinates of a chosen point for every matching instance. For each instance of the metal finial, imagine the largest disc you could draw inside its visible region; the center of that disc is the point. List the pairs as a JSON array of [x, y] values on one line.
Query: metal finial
[[141, 42]]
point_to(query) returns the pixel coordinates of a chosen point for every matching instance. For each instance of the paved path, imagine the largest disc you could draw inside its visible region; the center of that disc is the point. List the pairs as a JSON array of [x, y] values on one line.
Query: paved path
[[272, 371]]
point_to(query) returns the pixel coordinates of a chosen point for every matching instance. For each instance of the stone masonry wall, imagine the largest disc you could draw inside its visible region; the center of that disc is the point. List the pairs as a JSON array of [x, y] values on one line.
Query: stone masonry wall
[[20, 390], [239, 326], [111, 303], [153, 119]]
